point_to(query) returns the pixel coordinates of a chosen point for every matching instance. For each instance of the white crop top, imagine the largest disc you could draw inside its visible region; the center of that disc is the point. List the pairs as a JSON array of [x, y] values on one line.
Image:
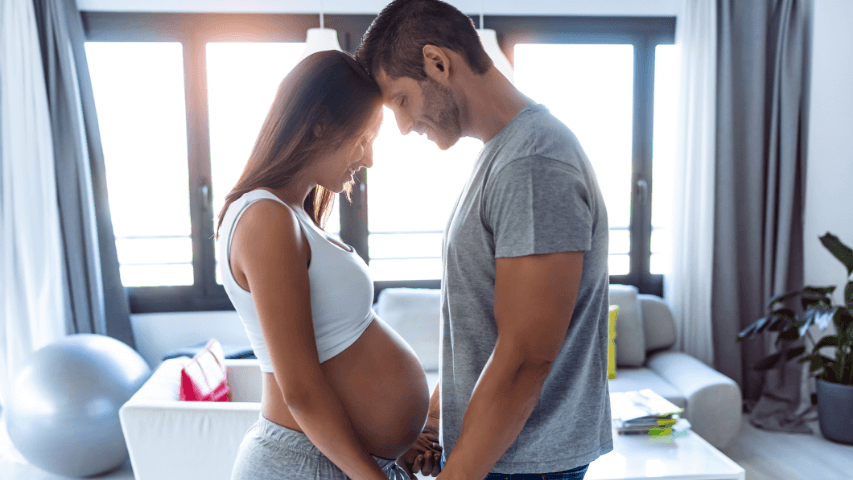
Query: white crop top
[[341, 288]]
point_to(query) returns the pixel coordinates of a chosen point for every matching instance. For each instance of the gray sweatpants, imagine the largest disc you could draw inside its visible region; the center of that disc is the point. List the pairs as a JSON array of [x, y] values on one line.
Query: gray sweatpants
[[270, 451]]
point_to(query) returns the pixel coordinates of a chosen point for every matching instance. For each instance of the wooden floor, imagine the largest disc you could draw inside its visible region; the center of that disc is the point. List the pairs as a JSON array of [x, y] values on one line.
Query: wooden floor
[[764, 455], [790, 456]]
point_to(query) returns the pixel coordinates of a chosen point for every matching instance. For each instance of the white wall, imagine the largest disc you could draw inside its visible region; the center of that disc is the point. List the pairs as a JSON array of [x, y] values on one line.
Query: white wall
[[829, 184], [490, 7], [158, 333]]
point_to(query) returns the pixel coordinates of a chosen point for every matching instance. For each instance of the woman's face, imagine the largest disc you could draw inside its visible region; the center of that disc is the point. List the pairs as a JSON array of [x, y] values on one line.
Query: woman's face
[[337, 168]]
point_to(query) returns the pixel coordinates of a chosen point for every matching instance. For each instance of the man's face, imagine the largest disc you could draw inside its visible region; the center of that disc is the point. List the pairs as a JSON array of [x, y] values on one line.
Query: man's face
[[426, 107]]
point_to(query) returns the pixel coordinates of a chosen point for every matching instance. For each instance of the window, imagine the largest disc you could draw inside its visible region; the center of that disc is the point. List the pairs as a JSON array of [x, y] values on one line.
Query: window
[[412, 189], [202, 84], [146, 158], [590, 89]]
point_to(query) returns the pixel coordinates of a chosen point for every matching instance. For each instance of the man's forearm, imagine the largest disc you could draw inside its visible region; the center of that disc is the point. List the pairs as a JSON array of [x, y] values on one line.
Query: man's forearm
[[503, 399]]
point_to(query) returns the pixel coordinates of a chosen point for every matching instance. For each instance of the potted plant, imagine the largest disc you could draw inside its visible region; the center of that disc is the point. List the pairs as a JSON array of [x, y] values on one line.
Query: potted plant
[[834, 374]]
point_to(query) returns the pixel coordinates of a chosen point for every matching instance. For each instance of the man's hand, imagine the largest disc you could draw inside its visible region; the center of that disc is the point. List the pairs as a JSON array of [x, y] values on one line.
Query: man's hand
[[425, 455]]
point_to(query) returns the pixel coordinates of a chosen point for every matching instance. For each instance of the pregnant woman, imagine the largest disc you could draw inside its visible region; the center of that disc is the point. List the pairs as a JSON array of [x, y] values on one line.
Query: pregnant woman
[[343, 394]]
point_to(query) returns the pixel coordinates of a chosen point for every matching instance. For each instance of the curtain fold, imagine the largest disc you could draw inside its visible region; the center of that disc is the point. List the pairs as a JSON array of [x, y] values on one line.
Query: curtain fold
[[32, 275], [763, 58], [688, 284], [58, 264], [95, 296]]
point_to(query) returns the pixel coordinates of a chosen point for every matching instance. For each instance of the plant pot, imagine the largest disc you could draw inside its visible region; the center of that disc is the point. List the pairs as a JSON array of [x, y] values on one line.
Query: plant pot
[[835, 411]]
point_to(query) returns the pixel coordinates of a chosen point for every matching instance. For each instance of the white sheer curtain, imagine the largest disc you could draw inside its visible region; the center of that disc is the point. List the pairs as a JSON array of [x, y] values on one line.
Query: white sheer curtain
[[32, 308], [688, 284]]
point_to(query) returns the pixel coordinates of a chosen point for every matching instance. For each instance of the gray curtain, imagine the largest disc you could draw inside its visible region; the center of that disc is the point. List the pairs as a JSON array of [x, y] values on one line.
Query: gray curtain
[[764, 50], [95, 298]]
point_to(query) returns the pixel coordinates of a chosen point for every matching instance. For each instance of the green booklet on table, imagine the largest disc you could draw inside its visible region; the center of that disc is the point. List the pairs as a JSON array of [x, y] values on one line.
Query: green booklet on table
[[643, 411]]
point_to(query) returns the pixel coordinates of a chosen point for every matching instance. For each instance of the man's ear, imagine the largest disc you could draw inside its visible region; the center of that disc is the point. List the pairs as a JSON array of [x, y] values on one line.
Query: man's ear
[[436, 63]]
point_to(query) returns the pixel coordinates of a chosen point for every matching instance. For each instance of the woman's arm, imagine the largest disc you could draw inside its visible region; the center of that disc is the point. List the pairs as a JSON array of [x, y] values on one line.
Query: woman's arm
[[269, 249]]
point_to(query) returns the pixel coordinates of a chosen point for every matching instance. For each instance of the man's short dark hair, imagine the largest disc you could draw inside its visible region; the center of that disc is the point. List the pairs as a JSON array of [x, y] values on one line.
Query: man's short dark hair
[[395, 40]]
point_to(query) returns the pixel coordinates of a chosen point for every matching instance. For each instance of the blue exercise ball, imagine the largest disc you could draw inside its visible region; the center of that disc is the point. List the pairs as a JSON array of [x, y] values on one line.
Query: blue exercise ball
[[63, 411]]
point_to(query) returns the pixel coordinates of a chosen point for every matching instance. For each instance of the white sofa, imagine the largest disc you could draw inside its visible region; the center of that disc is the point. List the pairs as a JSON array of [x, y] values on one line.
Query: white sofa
[[170, 439], [645, 334]]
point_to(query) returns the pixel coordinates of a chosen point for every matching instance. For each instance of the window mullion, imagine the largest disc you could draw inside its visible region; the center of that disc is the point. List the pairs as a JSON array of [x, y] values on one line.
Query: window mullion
[[198, 149], [354, 229], [641, 216]]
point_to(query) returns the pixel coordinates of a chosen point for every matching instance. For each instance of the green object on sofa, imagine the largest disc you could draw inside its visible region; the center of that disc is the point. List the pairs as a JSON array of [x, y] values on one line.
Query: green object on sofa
[[611, 342]]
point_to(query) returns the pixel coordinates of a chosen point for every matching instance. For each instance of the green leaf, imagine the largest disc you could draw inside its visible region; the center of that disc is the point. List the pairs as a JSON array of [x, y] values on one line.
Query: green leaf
[[821, 314], [767, 362], [754, 328], [848, 295], [791, 333], [820, 361], [841, 251], [818, 291], [749, 331], [780, 319], [842, 319], [770, 361], [781, 298], [806, 324], [827, 341], [815, 296]]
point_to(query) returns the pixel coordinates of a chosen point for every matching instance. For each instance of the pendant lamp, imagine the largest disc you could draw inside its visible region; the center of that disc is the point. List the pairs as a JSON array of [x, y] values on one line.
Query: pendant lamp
[[320, 39], [489, 39]]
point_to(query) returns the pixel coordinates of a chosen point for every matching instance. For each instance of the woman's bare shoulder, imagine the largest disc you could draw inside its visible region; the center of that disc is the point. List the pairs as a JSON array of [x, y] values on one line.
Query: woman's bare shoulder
[[266, 240]]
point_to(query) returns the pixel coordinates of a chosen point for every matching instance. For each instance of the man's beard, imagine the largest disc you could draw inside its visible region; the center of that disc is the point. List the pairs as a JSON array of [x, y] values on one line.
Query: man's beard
[[442, 110]]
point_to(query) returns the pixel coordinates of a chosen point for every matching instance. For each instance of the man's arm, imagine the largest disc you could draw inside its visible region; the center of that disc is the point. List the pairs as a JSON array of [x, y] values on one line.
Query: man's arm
[[534, 300]]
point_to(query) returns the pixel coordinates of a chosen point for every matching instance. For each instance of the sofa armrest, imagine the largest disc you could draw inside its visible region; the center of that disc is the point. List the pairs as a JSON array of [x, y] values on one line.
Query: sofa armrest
[[713, 399], [170, 439], [244, 379]]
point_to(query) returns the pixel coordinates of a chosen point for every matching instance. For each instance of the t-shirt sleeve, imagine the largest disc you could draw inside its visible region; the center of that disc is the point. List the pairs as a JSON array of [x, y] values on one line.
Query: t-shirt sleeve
[[537, 205]]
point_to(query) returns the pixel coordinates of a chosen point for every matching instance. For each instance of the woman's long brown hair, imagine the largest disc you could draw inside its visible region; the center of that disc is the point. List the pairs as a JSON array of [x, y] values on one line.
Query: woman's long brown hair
[[326, 89]]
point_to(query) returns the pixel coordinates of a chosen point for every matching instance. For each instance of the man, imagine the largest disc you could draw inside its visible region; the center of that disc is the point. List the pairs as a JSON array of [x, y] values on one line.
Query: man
[[524, 299]]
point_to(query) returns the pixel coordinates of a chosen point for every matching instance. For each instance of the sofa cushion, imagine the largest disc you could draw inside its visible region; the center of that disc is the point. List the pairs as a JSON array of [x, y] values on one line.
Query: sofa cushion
[[414, 313], [629, 379], [630, 339], [658, 323]]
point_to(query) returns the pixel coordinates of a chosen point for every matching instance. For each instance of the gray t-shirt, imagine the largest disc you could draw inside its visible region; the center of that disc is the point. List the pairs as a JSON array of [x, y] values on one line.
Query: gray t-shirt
[[532, 191]]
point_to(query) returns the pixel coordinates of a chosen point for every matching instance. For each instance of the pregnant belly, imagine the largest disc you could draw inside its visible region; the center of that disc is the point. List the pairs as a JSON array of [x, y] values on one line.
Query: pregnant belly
[[382, 385]]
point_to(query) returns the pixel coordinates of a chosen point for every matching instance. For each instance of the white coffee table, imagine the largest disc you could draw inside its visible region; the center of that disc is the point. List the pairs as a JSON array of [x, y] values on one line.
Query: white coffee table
[[686, 456]]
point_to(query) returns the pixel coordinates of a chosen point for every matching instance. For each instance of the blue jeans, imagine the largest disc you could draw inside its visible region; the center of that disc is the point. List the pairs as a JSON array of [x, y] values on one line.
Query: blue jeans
[[573, 474]]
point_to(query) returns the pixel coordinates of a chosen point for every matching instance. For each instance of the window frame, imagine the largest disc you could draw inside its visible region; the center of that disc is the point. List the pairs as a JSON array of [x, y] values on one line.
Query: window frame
[[195, 30]]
